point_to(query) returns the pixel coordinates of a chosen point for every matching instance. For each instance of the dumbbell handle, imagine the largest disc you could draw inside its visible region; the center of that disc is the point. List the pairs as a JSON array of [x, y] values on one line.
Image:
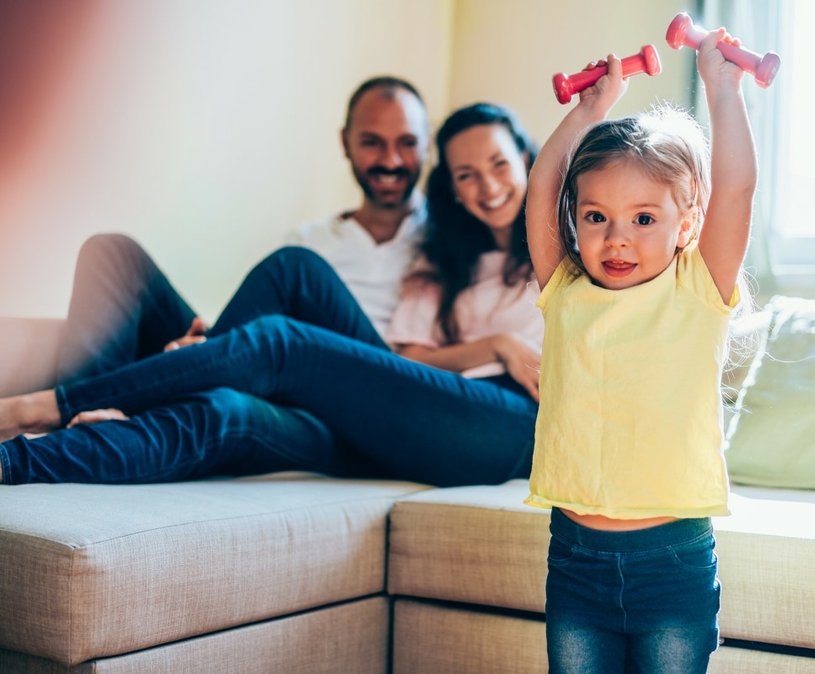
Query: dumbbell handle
[[683, 32], [646, 61]]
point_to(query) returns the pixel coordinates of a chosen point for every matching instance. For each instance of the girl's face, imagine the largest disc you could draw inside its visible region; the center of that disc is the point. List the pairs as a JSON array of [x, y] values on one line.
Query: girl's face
[[489, 176], [628, 225]]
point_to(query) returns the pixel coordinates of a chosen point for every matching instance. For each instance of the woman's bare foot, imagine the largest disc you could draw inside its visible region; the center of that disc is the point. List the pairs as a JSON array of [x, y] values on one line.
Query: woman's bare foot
[[29, 413]]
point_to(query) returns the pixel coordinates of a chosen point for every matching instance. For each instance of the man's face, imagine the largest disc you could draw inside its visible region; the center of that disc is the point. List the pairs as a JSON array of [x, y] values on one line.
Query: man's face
[[386, 141]]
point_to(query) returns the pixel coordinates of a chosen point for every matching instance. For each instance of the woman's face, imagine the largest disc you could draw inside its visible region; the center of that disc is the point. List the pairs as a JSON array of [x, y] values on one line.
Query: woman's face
[[489, 176]]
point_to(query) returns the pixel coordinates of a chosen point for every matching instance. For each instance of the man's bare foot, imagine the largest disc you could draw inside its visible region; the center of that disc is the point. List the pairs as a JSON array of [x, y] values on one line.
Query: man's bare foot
[[29, 413]]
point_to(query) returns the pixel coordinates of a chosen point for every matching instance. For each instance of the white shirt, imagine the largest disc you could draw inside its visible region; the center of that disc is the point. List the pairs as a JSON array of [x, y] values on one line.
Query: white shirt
[[486, 308], [372, 271]]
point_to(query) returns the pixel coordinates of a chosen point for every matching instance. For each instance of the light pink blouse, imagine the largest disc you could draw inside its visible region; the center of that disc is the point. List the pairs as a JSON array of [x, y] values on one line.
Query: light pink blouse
[[486, 308]]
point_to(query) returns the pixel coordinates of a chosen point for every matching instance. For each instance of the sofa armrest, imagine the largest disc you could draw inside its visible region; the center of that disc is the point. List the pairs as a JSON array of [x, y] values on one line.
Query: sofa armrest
[[28, 353]]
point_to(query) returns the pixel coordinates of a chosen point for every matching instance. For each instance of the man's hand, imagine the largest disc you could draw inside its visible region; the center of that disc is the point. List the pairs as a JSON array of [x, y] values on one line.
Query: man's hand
[[95, 416], [195, 335]]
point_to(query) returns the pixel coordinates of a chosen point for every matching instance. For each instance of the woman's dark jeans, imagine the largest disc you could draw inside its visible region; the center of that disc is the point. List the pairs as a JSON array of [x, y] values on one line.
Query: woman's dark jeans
[[308, 385]]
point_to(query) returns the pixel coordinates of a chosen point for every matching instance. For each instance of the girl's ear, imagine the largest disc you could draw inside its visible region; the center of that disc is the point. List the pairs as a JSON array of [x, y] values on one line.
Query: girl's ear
[[689, 229]]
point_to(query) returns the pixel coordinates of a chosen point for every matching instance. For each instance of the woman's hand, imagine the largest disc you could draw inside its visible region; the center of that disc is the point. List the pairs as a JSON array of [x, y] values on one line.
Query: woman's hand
[[521, 361], [95, 416], [194, 335]]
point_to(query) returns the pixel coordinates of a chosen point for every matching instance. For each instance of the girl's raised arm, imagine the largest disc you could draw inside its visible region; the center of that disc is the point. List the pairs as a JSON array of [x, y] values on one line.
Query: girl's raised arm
[[733, 173], [546, 177]]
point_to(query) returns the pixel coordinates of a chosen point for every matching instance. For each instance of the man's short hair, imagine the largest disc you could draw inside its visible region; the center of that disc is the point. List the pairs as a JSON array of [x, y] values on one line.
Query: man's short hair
[[382, 82]]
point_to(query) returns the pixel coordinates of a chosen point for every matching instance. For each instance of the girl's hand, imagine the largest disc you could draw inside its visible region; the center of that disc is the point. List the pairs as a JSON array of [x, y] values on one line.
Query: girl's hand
[[521, 361], [608, 89], [546, 177], [714, 70], [733, 171]]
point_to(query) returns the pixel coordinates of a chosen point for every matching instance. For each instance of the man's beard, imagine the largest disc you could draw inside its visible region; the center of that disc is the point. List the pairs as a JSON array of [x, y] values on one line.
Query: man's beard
[[372, 193]]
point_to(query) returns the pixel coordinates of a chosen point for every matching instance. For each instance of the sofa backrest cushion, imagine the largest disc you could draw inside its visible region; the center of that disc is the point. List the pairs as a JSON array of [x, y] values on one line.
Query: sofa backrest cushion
[[771, 438]]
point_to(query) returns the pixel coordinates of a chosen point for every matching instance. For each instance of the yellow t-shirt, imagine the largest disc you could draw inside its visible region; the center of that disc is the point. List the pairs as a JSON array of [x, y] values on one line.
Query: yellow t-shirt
[[630, 418]]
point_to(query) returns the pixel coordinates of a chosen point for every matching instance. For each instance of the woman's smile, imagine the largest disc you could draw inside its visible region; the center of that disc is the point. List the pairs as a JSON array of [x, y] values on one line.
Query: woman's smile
[[489, 176]]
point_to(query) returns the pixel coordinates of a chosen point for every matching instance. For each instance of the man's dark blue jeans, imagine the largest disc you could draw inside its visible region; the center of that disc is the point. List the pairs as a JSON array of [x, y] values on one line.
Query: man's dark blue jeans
[[292, 376], [123, 308]]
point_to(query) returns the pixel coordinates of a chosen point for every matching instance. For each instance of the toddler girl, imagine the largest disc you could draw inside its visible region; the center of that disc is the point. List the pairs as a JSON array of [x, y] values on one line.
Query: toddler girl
[[637, 242]]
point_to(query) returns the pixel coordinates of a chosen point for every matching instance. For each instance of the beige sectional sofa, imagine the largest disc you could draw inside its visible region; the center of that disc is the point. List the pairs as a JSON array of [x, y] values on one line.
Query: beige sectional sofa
[[305, 573]]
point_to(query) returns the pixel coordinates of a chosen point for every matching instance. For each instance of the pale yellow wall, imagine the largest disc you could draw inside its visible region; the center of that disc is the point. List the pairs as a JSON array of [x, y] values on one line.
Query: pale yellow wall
[[207, 128], [204, 128], [506, 52]]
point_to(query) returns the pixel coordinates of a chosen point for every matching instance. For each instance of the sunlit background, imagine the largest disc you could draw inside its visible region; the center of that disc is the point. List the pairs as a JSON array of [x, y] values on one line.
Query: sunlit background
[[801, 158]]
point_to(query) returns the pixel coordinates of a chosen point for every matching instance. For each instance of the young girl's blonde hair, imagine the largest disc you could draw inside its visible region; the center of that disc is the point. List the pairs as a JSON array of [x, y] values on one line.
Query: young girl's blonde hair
[[669, 145], [666, 143]]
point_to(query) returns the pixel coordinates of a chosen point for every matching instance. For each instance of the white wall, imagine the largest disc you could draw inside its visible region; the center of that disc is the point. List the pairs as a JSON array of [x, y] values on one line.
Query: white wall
[[203, 128], [207, 128], [510, 56]]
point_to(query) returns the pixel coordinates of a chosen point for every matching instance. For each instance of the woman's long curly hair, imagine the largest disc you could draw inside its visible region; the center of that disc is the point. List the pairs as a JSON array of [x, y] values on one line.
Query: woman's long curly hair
[[456, 239]]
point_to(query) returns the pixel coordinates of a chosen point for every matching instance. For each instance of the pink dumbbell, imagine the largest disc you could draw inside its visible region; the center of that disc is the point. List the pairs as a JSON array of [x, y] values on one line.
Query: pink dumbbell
[[647, 61], [682, 32]]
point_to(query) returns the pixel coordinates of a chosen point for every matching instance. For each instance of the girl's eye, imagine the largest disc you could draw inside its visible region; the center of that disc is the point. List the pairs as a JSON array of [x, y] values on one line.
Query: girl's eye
[[461, 177], [595, 217], [644, 219]]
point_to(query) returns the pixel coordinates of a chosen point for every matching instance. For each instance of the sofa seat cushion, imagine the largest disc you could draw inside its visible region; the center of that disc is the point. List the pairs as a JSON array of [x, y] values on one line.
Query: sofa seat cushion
[[348, 637], [477, 642], [481, 545], [766, 550], [97, 570]]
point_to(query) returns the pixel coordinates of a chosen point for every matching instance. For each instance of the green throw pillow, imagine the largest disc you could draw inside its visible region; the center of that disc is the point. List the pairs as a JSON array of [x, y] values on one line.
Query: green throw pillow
[[771, 438]]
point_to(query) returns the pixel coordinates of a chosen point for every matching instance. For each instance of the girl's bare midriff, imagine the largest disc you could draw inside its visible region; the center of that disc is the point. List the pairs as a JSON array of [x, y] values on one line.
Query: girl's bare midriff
[[603, 523]]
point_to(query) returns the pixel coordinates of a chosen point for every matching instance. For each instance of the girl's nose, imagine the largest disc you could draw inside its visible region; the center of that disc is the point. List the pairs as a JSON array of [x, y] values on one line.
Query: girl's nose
[[616, 234]]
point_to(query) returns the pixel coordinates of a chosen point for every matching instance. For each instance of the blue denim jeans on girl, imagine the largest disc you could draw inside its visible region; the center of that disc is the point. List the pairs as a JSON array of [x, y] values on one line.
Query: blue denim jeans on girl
[[639, 602], [308, 385]]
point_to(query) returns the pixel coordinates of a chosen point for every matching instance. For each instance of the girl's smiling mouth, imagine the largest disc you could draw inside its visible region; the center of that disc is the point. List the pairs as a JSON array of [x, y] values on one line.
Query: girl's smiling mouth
[[618, 267]]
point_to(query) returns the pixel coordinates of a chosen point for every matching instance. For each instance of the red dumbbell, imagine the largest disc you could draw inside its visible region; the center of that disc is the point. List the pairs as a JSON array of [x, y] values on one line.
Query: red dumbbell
[[647, 61], [682, 32]]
